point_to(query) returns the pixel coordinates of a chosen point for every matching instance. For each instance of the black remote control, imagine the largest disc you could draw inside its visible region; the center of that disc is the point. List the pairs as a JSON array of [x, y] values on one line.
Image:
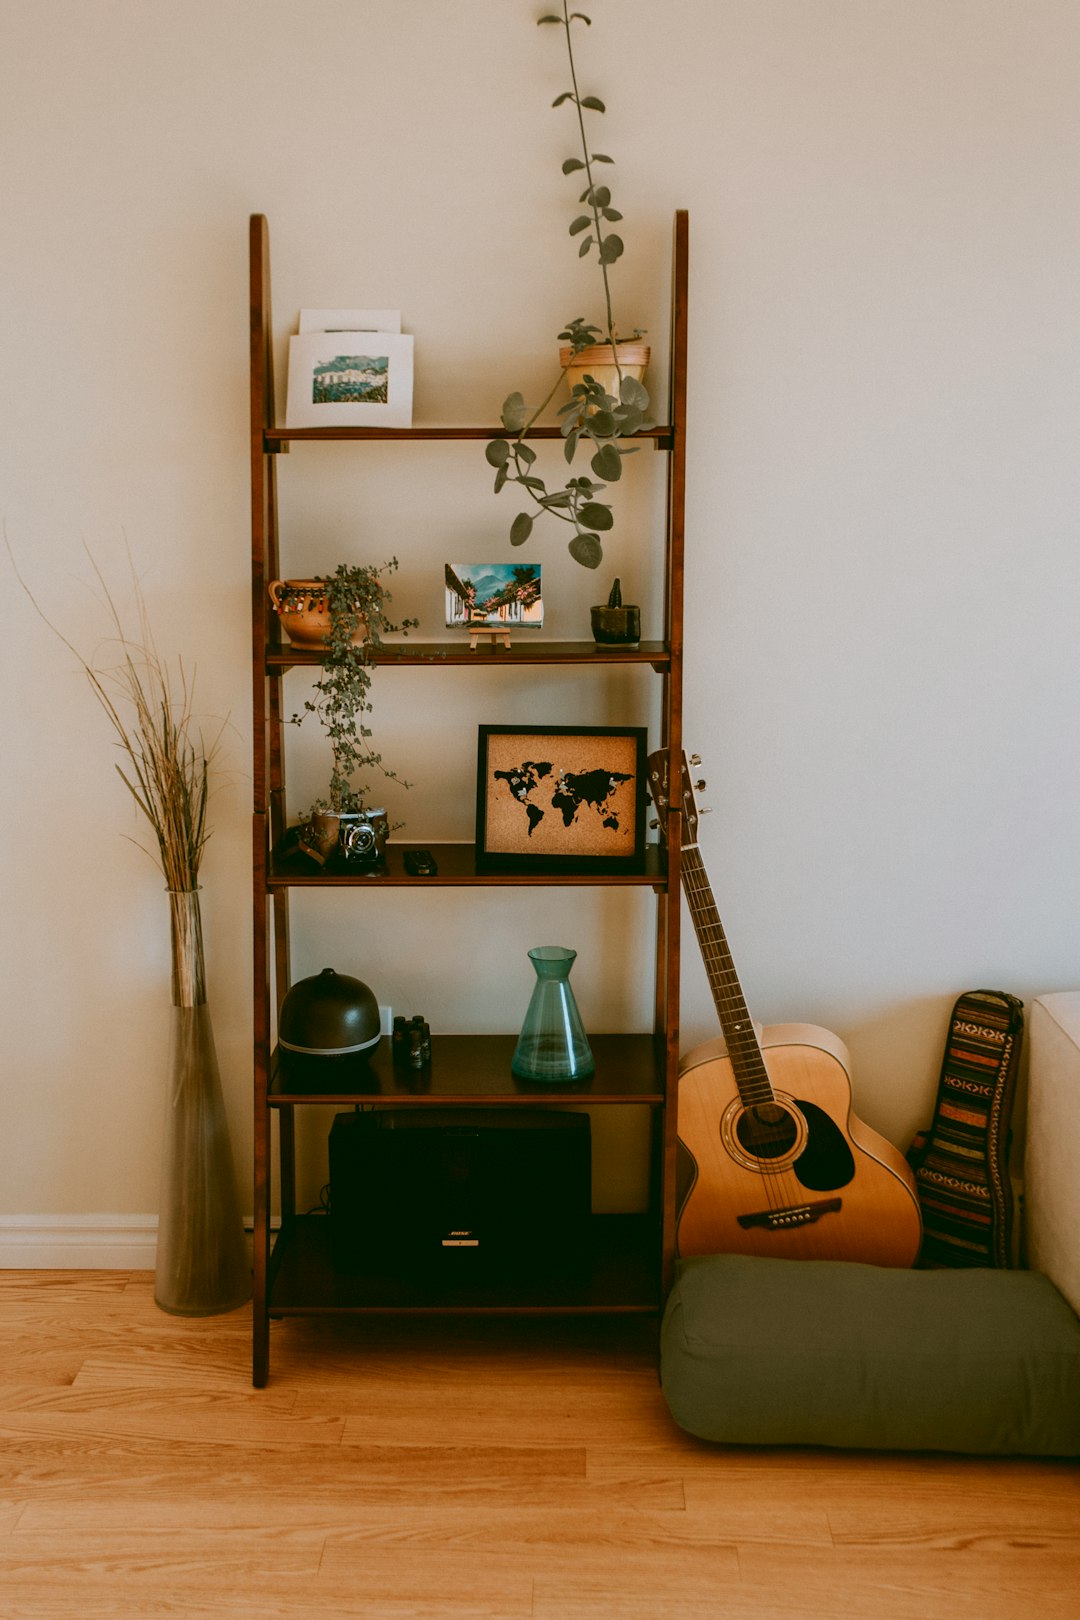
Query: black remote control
[[420, 863]]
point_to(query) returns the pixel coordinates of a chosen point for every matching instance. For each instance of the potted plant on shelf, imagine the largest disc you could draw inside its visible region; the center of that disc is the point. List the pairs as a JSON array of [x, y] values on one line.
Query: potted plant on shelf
[[608, 400], [350, 610]]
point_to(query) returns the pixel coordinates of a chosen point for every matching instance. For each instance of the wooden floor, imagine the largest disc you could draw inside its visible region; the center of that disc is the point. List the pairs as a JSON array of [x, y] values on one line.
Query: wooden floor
[[459, 1468]]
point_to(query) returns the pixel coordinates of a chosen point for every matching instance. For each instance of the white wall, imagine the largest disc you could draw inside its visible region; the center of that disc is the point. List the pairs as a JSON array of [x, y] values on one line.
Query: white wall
[[882, 565]]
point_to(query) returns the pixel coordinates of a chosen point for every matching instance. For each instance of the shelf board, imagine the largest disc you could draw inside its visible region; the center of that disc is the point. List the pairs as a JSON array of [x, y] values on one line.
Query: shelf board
[[617, 1272], [475, 1069], [457, 867], [656, 653], [277, 437]]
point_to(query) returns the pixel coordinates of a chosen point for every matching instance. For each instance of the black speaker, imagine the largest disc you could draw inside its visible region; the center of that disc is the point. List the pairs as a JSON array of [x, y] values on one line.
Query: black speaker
[[459, 1190]]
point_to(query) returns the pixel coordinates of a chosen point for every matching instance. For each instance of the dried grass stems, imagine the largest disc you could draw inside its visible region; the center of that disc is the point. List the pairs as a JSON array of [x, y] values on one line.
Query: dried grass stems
[[151, 711]]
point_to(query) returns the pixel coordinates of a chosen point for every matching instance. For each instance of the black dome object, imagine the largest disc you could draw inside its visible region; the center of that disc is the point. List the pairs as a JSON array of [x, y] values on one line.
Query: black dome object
[[329, 1016]]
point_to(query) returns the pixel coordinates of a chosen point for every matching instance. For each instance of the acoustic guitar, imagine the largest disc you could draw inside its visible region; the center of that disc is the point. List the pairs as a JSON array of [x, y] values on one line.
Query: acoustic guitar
[[771, 1159]]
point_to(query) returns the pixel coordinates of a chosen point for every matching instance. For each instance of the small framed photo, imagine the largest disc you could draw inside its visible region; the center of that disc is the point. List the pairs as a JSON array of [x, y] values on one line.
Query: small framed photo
[[350, 379], [494, 594], [560, 799]]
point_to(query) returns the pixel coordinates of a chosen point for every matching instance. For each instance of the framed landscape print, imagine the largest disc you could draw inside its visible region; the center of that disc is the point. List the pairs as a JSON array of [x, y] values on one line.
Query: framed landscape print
[[560, 799], [494, 594], [350, 379]]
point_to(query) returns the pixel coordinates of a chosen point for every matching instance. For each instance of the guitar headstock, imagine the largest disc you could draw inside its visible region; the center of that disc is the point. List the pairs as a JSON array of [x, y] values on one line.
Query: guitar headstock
[[660, 790]]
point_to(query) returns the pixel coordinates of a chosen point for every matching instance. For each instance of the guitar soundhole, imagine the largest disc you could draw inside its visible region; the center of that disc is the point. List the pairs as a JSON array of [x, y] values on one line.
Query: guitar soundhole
[[766, 1131]]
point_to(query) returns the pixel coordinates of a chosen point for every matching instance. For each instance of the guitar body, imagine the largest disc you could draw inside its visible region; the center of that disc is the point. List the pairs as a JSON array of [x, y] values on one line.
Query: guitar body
[[797, 1175], [770, 1160]]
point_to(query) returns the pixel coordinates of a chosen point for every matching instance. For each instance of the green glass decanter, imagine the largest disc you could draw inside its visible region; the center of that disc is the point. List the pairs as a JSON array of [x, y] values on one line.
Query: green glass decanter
[[552, 1046]]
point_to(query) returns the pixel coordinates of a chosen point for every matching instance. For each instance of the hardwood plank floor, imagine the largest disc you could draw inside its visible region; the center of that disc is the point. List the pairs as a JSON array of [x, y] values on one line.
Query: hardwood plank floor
[[442, 1469]]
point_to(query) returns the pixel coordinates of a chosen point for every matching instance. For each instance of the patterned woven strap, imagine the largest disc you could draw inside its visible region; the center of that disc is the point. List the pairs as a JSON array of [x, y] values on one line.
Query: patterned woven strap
[[961, 1162]]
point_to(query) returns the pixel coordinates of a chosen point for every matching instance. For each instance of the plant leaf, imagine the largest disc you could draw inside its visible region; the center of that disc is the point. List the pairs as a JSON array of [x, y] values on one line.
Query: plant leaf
[[548, 18], [570, 164], [582, 223], [593, 103], [567, 95], [601, 157], [612, 214], [585, 246], [634, 393], [571, 444], [601, 196], [601, 425], [500, 479], [596, 515], [610, 249], [497, 451], [520, 529], [525, 452], [607, 463], [587, 550], [513, 413]]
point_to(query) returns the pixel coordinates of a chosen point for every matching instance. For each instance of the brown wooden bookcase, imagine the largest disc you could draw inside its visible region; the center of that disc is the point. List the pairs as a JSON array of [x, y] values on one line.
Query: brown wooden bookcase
[[631, 1256]]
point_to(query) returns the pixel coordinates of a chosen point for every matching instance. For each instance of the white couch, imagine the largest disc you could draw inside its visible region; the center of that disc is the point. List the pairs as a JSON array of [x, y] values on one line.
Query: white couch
[[1052, 1154]]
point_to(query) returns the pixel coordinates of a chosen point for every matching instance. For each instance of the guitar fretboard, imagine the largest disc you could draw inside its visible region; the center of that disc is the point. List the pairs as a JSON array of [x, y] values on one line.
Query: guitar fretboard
[[743, 1046]]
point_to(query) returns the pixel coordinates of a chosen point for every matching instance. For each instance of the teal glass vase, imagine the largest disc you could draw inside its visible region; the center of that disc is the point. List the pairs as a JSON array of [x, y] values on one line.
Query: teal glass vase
[[552, 1046]]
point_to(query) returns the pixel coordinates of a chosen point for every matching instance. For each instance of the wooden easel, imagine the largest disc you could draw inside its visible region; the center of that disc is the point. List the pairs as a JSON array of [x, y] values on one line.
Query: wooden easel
[[489, 632]]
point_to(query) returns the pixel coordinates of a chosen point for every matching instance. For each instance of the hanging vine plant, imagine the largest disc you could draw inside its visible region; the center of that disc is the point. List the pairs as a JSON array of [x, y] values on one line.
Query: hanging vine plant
[[357, 600], [594, 416]]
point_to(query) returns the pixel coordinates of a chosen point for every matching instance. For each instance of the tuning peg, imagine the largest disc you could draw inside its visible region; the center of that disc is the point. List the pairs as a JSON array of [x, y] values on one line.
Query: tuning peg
[[654, 824], [701, 784], [695, 759], [706, 810]]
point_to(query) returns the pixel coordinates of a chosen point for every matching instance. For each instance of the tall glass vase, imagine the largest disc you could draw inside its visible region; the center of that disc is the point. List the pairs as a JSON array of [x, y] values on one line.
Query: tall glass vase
[[552, 1046], [202, 1261]]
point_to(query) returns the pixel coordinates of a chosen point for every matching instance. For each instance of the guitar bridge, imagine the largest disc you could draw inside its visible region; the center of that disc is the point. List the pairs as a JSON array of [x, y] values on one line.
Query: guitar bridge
[[775, 1220]]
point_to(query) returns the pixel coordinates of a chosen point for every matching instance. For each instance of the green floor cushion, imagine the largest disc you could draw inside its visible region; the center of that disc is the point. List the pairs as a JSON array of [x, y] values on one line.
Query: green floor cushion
[[830, 1353]]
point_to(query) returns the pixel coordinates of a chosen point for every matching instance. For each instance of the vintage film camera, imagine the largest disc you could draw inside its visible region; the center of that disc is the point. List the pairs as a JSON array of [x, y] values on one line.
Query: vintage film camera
[[362, 838], [351, 838]]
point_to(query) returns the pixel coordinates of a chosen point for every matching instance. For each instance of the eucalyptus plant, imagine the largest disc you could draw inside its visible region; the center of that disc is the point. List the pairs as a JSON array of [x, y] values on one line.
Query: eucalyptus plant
[[593, 415], [355, 596]]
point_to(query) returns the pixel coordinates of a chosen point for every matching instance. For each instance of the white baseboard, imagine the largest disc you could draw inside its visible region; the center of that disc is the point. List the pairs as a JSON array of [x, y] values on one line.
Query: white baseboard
[[79, 1242]]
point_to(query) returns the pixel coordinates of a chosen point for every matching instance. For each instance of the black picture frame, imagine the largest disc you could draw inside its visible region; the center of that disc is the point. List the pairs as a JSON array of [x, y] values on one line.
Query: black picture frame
[[557, 820]]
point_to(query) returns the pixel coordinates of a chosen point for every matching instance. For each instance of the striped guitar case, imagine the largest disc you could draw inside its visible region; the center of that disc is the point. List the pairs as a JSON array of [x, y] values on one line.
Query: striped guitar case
[[961, 1162]]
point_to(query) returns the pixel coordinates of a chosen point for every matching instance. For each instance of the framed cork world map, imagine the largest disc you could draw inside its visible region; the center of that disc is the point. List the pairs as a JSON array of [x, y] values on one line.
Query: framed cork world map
[[560, 798]]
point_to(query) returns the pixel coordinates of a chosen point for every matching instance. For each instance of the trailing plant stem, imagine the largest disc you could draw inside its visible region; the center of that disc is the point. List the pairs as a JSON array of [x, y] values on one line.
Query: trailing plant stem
[[540, 409], [592, 189]]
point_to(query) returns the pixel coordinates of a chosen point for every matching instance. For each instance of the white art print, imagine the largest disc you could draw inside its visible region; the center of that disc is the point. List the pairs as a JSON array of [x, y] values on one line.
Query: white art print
[[350, 320], [350, 379]]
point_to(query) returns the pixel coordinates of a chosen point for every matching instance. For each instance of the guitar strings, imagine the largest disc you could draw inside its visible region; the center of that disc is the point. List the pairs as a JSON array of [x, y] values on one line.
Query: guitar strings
[[744, 1050]]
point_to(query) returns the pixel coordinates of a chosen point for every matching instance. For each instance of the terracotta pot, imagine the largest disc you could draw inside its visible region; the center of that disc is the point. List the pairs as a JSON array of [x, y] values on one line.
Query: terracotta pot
[[599, 362], [302, 607], [319, 836]]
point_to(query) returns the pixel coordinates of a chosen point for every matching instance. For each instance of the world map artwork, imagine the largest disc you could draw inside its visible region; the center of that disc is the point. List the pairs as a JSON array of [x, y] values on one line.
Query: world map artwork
[[570, 793]]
